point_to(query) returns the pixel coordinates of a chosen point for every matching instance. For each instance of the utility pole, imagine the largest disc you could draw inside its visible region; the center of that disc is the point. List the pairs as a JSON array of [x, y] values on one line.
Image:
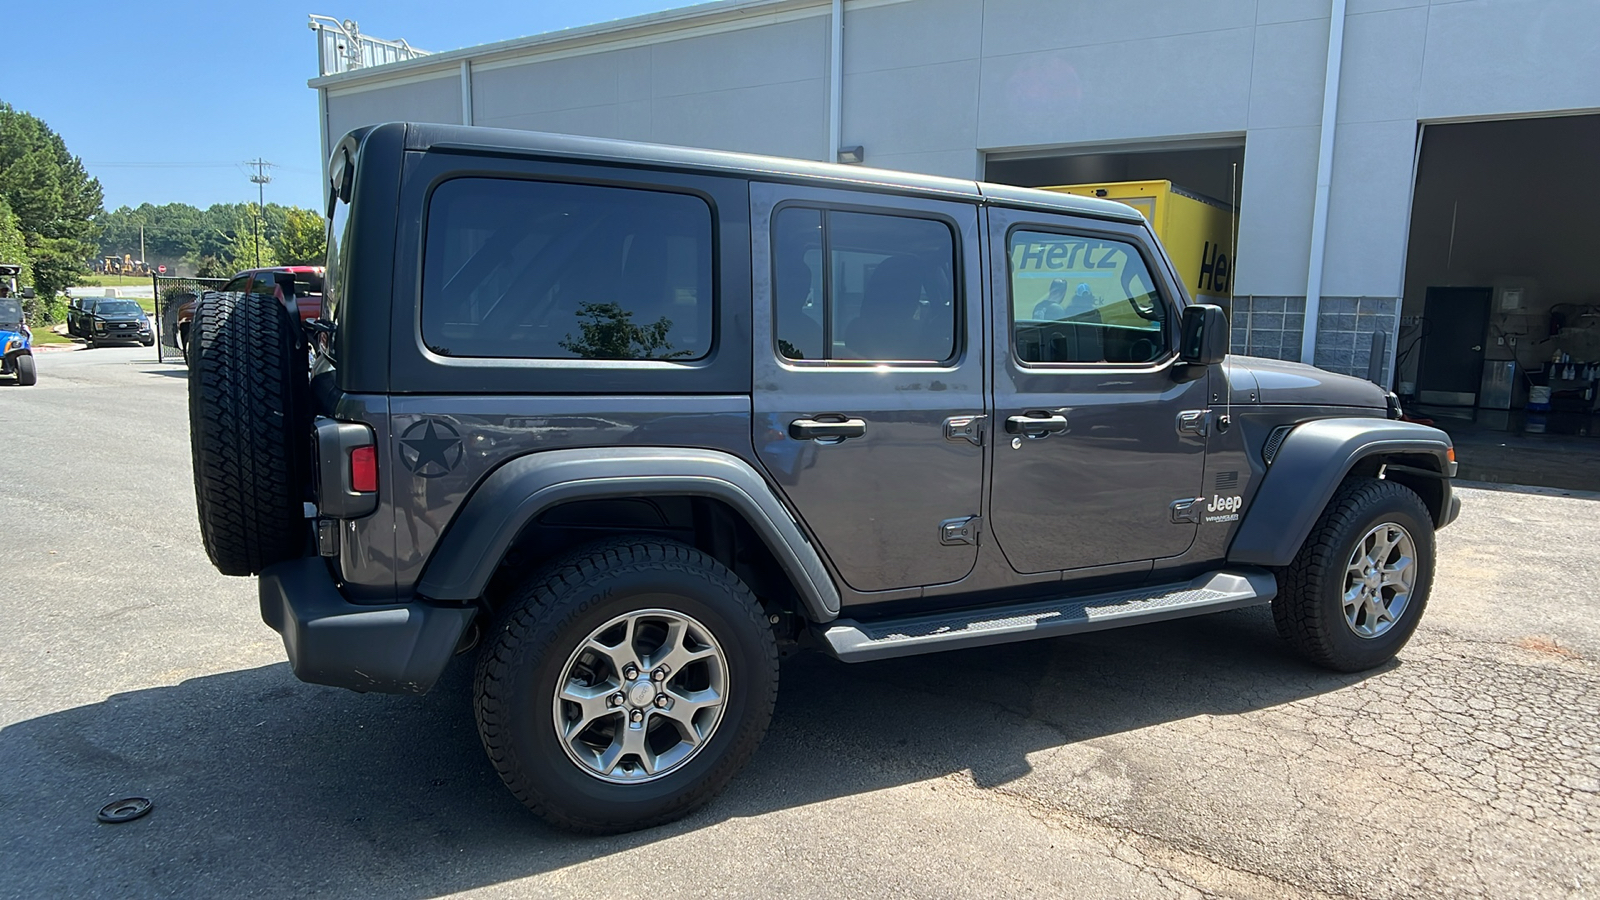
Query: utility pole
[[260, 179]]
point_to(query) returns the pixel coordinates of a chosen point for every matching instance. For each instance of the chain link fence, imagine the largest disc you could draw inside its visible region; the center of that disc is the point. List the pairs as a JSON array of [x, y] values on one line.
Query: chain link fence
[[175, 301]]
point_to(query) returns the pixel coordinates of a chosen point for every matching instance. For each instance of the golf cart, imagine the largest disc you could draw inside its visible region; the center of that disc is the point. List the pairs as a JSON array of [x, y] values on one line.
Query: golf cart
[[14, 334]]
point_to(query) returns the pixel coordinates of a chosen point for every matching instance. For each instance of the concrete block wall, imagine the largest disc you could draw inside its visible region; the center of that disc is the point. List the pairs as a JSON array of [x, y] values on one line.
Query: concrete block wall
[[1269, 326], [1345, 326], [1274, 327]]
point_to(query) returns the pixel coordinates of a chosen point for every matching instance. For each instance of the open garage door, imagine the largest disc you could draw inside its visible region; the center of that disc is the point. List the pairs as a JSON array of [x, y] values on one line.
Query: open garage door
[[1185, 190], [1500, 329]]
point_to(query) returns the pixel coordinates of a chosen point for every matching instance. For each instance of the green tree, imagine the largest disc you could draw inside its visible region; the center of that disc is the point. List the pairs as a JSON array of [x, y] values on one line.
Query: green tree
[[13, 247], [303, 240], [55, 202], [251, 244], [610, 333], [189, 239], [212, 267]]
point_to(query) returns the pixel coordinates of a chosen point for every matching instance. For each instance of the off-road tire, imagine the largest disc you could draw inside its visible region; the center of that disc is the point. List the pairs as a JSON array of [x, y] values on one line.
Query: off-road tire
[[527, 650], [1309, 610], [249, 432], [27, 373]]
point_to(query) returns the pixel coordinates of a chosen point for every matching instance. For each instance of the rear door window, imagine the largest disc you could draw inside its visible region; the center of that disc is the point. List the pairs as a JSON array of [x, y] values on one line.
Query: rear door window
[[886, 292], [542, 270]]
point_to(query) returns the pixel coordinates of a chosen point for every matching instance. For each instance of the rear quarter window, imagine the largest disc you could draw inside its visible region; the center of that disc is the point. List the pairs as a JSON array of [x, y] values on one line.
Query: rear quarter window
[[544, 270]]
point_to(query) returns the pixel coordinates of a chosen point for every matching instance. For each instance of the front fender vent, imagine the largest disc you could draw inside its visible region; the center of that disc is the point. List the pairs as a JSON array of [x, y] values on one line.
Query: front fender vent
[[1274, 441]]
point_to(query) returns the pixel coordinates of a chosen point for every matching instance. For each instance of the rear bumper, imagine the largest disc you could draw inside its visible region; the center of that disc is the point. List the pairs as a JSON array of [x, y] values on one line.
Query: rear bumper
[[398, 648]]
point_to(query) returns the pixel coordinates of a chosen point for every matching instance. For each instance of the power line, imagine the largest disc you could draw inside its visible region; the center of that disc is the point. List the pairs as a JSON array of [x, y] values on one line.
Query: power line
[[260, 179]]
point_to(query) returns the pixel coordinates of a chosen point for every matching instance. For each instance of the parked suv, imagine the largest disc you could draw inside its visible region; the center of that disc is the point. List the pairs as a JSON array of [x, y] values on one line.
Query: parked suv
[[624, 421], [110, 320]]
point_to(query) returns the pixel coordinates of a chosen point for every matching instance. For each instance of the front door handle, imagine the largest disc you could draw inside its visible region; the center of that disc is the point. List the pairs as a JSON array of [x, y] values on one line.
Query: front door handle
[[831, 428], [1036, 426]]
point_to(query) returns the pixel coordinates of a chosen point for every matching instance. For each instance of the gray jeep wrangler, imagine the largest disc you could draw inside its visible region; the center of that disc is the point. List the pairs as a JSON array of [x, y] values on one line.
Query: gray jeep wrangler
[[627, 421]]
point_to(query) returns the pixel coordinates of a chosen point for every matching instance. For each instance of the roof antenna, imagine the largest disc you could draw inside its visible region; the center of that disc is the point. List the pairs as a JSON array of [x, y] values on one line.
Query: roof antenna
[[1227, 369]]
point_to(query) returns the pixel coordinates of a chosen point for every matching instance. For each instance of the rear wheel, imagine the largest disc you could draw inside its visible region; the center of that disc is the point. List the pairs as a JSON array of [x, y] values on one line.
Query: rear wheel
[[1355, 592], [625, 685], [249, 423], [26, 373]]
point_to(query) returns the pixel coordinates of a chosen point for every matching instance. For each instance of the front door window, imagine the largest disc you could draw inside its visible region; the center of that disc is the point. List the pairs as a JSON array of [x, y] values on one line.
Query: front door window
[[1078, 299]]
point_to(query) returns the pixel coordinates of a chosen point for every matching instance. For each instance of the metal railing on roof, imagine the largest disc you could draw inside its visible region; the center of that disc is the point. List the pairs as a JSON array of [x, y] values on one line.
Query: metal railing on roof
[[341, 47]]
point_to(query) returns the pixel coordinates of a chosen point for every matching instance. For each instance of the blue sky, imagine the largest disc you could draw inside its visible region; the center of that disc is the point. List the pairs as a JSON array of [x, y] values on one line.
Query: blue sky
[[165, 101]]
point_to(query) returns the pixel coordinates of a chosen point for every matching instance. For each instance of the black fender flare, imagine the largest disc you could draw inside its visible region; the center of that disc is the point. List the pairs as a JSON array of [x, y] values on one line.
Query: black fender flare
[[516, 492], [1307, 469]]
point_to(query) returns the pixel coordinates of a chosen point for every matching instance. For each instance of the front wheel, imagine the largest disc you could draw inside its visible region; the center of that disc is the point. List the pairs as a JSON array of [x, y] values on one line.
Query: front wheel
[[27, 375], [1355, 592], [625, 685]]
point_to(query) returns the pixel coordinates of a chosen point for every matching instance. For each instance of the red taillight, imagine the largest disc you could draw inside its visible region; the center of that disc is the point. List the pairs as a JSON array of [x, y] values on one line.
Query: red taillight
[[364, 469]]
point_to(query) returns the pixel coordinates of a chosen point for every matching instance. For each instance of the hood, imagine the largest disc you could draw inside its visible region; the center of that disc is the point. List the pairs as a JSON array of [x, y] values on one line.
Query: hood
[[120, 317], [1283, 383], [8, 332]]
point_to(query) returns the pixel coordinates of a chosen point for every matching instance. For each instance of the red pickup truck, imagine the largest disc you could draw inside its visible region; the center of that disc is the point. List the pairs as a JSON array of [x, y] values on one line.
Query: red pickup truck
[[300, 284]]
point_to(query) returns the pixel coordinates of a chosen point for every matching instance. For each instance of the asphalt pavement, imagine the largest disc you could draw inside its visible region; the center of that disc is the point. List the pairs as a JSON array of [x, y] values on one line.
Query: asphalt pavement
[[1187, 759]]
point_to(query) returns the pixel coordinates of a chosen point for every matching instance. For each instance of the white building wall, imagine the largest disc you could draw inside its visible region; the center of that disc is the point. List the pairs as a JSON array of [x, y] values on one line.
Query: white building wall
[[766, 92], [933, 85], [431, 98]]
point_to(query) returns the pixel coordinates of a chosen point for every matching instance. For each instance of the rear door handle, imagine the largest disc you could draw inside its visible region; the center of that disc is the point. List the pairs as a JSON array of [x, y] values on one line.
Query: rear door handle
[[1036, 426], [827, 429]]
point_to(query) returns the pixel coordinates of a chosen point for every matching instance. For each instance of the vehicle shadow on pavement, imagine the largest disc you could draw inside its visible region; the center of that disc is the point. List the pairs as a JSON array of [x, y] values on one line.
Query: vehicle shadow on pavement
[[264, 786]]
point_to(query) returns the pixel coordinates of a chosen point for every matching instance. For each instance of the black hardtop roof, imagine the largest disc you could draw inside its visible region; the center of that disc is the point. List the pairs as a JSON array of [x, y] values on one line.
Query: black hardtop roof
[[478, 139]]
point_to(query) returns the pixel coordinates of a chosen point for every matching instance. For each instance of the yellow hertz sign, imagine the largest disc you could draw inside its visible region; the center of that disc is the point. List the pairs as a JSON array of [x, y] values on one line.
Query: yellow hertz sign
[[1196, 230], [1077, 274]]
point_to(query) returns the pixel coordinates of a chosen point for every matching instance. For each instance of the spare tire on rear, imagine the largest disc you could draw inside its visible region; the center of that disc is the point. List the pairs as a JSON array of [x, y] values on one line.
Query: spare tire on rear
[[249, 431]]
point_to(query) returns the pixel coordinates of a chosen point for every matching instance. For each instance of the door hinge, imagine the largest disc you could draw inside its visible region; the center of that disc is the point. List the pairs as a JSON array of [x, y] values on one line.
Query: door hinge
[[1187, 510], [965, 428], [960, 531]]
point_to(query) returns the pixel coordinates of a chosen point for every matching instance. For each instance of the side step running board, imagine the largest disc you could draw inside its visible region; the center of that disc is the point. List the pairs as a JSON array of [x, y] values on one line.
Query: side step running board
[[854, 641]]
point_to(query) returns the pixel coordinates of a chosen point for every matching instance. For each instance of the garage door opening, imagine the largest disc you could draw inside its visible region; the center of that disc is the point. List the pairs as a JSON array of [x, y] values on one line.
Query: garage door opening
[[1185, 191], [1500, 329]]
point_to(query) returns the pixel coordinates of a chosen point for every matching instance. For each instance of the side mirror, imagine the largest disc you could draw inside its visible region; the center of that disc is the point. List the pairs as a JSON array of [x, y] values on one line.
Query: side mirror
[[1205, 335], [27, 293]]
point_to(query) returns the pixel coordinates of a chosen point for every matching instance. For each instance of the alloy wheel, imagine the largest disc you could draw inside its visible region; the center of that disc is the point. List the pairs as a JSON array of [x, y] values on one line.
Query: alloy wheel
[[1378, 580], [640, 696]]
